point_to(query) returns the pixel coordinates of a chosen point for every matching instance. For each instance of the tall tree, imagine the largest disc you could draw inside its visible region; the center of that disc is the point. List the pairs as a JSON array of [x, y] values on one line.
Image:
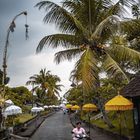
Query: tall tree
[[93, 32], [45, 83]]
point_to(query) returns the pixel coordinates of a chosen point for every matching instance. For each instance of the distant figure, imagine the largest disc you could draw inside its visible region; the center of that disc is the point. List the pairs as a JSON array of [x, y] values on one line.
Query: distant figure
[[64, 111]]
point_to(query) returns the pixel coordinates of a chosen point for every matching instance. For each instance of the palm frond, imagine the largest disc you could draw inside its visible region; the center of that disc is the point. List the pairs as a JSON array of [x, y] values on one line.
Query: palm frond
[[64, 20], [55, 40], [71, 5], [115, 9], [67, 54], [121, 50], [127, 3], [86, 70], [109, 23], [131, 28], [113, 68]]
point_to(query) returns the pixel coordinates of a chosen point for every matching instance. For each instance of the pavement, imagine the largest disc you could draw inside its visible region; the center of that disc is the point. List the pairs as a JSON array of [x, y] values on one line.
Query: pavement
[[58, 127]]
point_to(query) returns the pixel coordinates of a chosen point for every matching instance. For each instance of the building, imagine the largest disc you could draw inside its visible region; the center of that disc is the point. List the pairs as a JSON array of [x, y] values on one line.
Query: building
[[132, 90]]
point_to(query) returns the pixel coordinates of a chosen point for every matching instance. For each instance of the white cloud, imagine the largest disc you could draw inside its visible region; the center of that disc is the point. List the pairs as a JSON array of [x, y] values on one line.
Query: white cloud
[[22, 60], [32, 64]]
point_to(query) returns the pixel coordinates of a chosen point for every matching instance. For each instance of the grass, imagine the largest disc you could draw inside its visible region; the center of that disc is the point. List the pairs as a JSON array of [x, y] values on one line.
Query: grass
[[126, 122], [19, 119], [24, 117]]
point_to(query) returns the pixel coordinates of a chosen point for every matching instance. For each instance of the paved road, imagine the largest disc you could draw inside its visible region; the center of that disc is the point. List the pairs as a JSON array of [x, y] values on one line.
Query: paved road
[[56, 127]]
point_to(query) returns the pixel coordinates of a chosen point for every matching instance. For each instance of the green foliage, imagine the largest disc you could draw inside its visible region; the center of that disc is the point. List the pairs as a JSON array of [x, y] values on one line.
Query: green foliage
[[46, 86], [18, 119], [77, 96], [74, 95], [89, 32], [19, 95], [126, 122], [23, 118], [110, 87]]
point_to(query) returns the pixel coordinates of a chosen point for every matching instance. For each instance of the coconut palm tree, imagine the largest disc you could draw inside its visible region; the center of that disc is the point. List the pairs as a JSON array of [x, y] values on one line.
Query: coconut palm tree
[[45, 83], [39, 80], [92, 32], [52, 86]]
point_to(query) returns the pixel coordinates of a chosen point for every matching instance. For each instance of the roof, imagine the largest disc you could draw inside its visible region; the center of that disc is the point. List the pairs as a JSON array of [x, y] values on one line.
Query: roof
[[133, 88]]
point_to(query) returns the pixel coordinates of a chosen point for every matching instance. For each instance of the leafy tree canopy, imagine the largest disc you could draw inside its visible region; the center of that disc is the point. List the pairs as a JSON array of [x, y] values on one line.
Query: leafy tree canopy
[[95, 32]]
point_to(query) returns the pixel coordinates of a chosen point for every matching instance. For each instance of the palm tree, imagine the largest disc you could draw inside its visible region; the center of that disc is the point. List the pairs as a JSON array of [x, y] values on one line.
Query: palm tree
[[93, 32], [45, 83], [52, 86]]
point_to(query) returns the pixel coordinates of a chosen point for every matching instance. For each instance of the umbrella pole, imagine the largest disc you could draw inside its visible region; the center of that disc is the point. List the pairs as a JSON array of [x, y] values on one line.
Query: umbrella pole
[[120, 123], [89, 122]]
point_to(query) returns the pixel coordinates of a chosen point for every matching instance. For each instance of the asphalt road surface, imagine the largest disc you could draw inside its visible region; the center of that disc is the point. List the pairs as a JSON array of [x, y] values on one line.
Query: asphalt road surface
[[56, 127]]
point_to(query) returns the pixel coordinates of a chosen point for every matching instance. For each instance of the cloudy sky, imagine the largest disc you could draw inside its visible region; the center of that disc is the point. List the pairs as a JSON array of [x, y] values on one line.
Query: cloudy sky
[[22, 60]]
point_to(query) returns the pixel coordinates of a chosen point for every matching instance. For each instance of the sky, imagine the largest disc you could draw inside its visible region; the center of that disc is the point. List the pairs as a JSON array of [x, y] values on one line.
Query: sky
[[23, 61]]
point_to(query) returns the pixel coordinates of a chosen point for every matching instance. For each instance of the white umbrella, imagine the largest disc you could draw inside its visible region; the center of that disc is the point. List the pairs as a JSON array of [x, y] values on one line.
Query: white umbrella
[[46, 106], [12, 110], [41, 108], [53, 105], [9, 102], [37, 109]]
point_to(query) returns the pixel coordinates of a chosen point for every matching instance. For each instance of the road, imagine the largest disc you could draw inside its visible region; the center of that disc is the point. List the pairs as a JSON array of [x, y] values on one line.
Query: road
[[56, 127]]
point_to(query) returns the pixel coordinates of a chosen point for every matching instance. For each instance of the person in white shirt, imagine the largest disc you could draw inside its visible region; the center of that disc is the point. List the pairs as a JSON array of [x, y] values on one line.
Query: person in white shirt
[[78, 130]]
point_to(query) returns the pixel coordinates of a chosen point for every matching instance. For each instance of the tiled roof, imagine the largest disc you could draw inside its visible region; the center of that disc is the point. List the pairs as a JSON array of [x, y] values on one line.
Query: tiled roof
[[133, 88]]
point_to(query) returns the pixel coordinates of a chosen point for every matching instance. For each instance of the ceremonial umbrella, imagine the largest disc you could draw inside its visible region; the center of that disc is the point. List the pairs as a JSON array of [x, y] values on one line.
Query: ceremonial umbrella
[[46, 106], [75, 107], [12, 111], [89, 107], [119, 103], [68, 106], [9, 102], [37, 109]]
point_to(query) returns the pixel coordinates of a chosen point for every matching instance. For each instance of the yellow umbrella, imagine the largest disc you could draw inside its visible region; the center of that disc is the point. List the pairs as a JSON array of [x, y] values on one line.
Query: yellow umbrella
[[119, 103], [68, 106], [89, 107], [75, 107]]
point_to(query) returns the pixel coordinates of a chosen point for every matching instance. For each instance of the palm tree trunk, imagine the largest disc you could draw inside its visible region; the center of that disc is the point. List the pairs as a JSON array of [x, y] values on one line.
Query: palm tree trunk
[[105, 117]]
